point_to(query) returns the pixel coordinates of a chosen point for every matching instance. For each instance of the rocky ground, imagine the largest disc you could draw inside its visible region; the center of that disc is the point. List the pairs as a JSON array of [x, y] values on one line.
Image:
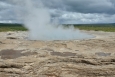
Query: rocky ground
[[21, 57]]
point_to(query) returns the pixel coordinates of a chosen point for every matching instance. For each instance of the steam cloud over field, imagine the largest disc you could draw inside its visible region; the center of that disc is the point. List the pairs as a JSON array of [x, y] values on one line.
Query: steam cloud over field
[[37, 19]]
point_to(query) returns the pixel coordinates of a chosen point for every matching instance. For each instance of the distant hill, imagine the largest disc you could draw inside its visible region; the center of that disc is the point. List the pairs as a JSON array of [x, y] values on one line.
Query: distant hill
[[10, 24]]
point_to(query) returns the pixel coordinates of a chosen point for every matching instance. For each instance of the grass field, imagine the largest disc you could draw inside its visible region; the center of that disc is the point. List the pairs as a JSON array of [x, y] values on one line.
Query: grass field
[[95, 27], [11, 27]]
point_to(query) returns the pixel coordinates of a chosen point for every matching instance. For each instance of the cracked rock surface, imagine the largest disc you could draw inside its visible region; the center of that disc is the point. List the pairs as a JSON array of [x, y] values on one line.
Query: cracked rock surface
[[20, 57]]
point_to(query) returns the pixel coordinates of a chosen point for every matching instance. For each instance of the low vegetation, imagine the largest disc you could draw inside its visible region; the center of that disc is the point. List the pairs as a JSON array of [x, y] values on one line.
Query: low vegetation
[[12, 27], [96, 27]]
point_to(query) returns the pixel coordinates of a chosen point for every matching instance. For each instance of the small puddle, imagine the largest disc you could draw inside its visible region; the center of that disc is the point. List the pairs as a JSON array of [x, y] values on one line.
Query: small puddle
[[103, 54], [64, 54], [12, 54]]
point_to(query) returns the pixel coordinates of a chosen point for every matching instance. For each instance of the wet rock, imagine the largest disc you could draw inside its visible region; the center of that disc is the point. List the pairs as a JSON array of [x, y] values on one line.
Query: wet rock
[[64, 54], [10, 54], [12, 38], [10, 65], [29, 53], [103, 54], [0, 42], [48, 49]]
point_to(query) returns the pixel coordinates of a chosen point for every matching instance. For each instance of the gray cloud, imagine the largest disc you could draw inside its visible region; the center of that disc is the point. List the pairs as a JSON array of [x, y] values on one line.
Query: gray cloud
[[4, 5], [91, 6], [83, 6], [67, 11]]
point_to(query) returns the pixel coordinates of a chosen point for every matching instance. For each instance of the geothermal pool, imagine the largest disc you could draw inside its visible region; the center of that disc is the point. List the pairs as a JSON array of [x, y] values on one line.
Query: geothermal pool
[[25, 35], [38, 22], [60, 35]]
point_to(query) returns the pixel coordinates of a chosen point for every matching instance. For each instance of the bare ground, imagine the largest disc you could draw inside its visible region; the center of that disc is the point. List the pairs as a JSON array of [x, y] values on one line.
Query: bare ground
[[74, 58]]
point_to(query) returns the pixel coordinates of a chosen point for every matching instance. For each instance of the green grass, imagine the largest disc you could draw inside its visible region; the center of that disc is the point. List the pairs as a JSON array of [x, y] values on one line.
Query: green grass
[[95, 27], [12, 27]]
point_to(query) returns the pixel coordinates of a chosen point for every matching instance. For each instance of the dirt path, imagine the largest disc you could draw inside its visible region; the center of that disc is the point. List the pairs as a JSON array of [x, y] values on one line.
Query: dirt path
[[75, 58]]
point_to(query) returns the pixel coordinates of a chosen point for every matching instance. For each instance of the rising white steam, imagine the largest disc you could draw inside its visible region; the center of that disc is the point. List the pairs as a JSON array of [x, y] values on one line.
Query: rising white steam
[[38, 20]]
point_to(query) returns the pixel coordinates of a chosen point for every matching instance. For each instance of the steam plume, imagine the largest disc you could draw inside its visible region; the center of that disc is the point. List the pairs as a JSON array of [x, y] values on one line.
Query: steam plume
[[38, 20]]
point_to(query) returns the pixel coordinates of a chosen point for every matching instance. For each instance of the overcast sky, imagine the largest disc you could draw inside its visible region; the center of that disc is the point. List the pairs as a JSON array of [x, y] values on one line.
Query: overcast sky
[[67, 11]]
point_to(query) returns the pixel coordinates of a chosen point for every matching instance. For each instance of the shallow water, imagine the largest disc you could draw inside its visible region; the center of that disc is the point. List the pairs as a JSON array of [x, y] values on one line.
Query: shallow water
[[103, 54], [12, 54], [64, 54]]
